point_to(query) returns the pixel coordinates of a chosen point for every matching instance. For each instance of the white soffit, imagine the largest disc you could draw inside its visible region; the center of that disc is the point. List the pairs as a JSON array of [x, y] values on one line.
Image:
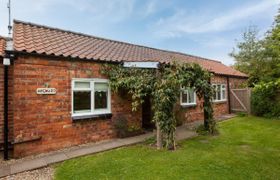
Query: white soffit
[[150, 65]]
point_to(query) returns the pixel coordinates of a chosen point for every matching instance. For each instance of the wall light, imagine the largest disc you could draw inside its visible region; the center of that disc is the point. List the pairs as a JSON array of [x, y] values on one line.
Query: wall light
[[6, 62]]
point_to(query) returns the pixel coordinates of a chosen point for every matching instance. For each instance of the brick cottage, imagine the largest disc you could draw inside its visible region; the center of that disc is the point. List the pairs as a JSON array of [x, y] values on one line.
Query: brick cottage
[[57, 98]]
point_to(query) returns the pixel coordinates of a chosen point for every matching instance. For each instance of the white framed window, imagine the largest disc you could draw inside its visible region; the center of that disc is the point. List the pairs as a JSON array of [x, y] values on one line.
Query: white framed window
[[220, 92], [187, 97], [90, 97]]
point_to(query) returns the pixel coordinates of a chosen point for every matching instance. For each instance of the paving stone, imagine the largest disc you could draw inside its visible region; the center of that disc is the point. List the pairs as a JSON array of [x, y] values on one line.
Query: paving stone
[[112, 145], [28, 165], [55, 158], [5, 171], [84, 151]]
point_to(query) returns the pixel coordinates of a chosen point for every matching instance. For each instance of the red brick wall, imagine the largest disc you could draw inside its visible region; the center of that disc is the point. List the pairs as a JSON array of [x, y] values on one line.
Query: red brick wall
[[49, 116], [194, 113], [237, 83]]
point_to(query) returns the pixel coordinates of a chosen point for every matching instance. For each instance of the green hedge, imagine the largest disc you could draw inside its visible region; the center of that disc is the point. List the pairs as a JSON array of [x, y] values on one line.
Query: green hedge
[[266, 99]]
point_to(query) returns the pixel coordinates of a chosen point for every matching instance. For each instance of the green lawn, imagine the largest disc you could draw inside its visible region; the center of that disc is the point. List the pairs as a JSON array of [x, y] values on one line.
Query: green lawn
[[247, 148]]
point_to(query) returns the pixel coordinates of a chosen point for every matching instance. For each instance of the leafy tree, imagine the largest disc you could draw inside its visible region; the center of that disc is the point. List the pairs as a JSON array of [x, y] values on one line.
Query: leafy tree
[[259, 58], [266, 94], [164, 85], [249, 56], [272, 51]]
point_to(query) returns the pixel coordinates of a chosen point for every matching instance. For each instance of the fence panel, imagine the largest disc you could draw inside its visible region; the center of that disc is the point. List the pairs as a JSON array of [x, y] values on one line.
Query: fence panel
[[240, 100]]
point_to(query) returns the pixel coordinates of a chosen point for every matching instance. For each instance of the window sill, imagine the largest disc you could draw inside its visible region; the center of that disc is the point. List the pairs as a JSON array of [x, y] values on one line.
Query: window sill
[[220, 102], [95, 116], [188, 105]]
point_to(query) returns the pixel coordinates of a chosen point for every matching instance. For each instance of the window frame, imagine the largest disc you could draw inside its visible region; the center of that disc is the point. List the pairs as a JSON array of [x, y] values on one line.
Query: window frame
[[187, 103], [221, 91], [92, 81]]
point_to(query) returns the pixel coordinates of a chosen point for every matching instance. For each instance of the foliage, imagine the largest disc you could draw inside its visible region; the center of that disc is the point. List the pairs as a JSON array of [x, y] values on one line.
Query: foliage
[[201, 130], [150, 141], [247, 148], [249, 56], [138, 82], [259, 58], [164, 86], [272, 51], [124, 129], [266, 99], [242, 114]]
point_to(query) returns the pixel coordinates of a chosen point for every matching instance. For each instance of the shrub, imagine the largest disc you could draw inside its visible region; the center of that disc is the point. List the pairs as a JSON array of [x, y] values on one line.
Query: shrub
[[266, 99], [201, 130], [150, 141], [126, 130]]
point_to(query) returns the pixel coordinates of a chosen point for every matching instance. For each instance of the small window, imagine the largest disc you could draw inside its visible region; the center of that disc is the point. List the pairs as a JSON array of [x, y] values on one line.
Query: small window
[[90, 96], [188, 96], [220, 92]]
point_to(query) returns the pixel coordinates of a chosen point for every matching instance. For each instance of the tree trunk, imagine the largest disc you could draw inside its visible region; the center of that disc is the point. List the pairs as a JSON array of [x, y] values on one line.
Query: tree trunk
[[159, 137]]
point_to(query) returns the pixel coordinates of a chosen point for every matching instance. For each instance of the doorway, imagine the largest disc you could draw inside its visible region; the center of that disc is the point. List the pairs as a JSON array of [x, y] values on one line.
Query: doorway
[[147, 123]]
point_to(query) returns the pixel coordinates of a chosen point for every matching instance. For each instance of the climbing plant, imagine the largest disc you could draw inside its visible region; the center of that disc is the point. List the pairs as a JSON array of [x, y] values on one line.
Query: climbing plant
[[163, 85]]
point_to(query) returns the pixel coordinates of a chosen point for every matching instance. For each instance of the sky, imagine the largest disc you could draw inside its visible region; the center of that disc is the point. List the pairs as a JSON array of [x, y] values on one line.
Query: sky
[[206, 28]]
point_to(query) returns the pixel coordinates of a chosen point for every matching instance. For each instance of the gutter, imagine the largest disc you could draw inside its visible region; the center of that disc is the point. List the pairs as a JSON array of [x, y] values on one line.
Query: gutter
[[7, 63], [6, 104]]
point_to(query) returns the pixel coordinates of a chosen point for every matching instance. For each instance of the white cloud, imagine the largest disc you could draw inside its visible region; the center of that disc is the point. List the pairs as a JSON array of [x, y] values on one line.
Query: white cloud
[[183, 22]]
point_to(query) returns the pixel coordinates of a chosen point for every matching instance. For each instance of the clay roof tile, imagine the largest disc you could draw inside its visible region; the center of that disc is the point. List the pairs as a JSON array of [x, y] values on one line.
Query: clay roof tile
[[29, 37]]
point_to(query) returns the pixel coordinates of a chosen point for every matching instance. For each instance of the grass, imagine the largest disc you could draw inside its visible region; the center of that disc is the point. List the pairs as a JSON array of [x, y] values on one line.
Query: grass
[[247, 148]]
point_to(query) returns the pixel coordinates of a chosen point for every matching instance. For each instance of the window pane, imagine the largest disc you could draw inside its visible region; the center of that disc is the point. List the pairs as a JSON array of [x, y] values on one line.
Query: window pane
[[82, 84], [100, 100], [82, 101], [218, 92], [223, 94], [100, 95], [215, 89], [101, 87], [191, 96], [184, 96]]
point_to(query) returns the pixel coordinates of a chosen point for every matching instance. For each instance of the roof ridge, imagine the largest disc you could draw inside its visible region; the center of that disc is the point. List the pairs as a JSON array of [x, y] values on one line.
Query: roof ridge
[[111, 40]]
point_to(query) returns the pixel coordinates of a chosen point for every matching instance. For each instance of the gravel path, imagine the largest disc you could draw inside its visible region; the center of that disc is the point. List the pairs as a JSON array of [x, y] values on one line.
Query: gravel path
[[39, 174]]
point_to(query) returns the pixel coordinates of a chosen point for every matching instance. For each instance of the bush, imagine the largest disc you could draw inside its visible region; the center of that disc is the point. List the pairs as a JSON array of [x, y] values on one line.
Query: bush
[[126, 130], [150, 141], [266, 99], [201, 130]]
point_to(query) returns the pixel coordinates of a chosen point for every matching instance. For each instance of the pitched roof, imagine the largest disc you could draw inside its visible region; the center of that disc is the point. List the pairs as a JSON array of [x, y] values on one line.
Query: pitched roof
[[34, 38], [2, 46]]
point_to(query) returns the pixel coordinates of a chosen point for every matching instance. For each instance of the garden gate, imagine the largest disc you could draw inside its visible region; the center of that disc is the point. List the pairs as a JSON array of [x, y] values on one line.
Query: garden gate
[[240, 100]]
